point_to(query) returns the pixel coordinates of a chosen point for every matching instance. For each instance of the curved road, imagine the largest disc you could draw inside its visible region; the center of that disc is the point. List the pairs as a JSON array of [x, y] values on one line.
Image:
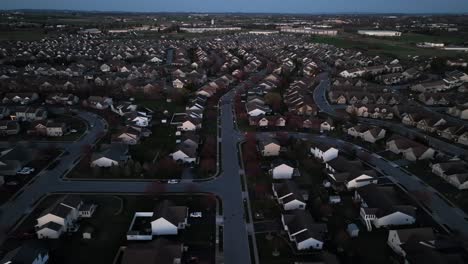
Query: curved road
[[227, 185], [443, 211]]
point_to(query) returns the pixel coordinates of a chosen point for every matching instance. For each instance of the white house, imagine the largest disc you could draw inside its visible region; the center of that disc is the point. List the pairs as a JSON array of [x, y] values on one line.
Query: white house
[[178, 84], [289, 196], [323, 152], [185, 153], [60, 218], [303, 231], [269, 147], [190, 124], [166, 219], [113, 155], [380, 207], [282, 171]]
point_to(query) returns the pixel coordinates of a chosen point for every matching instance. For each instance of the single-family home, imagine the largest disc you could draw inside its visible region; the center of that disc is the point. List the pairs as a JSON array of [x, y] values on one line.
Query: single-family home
[[99, 102], [369, 134], [269, 147], [289, 196], [59, 218], [454, 172], [381, 207], [303, 231], [281, 170], [185, 153], [115, 154], [323, 152]]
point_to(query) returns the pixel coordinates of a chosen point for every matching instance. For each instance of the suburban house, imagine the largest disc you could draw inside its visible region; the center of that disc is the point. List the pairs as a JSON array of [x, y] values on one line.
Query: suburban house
[[123, 108], [20, 98], [347, 174], [267, 121], [255, 109], [327, 125], [367, 133], [48, 128], [30, 252], [303, 231], [430, 124], [453, 172], [371, 111], [129, 136], [59, 218], [397, 238], [380, 207], [190, 124], [460, 111], [160, 250], [61, 99], [411, 150], [289, 196], [185, 153], [323, 152], [99, 102], [432, 99], [115, 154], [282, 170], [137, 119], [165, 219], [434, 86], [24, 113], [269, 147]]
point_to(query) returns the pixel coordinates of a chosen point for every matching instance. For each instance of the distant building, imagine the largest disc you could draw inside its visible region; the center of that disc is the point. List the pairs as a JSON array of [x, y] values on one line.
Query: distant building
[[310, 31], [380, 33], [206, 29]]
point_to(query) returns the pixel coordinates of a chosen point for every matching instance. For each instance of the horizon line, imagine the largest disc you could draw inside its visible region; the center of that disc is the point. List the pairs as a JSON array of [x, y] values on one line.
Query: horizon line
[[236, 12]]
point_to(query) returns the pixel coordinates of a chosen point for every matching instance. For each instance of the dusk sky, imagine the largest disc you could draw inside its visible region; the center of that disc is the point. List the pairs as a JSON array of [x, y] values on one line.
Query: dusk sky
[[266, 6]]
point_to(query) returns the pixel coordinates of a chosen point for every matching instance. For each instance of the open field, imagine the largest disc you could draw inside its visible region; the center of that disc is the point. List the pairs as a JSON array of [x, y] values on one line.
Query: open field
[[400, 47]]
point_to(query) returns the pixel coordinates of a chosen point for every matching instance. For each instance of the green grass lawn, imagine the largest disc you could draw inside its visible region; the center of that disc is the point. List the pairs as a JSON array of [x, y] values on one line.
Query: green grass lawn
[[161, 142], [22, 35], [394, 47]]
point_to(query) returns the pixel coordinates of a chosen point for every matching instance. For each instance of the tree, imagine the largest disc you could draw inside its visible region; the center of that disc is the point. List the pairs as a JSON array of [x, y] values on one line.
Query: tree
[[168, 168], [127, 171], [115, 171], [137, 169], [274, 100], [208, 166]]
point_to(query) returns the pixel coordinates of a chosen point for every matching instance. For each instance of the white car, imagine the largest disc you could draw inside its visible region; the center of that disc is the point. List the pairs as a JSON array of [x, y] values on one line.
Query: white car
[[196, 214], [173, 181], [26, 171]]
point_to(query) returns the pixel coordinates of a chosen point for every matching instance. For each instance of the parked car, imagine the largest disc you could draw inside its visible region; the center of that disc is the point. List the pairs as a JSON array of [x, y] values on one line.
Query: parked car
[[26, 171], [196, 214]]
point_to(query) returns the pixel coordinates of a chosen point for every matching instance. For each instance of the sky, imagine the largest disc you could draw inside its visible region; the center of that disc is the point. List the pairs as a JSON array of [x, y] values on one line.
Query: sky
[[248, 6]]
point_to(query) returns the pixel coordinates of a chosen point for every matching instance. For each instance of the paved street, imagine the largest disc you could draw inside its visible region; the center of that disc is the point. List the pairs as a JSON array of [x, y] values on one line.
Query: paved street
[[227, 186], [320, 97], [443, 212]]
